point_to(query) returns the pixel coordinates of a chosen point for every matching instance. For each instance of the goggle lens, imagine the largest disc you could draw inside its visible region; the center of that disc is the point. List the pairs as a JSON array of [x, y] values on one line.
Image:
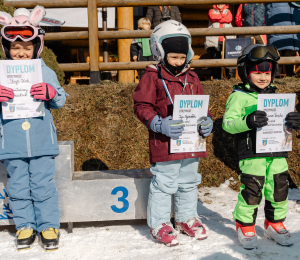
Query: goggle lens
[[25, 32], [261, 52]]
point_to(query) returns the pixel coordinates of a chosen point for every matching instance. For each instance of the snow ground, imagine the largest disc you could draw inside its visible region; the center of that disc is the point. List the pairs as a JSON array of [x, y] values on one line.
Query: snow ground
[[134, 242]]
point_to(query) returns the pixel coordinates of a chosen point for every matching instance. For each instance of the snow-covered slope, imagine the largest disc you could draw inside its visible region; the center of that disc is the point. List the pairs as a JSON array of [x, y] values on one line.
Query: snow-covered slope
[[134, 242]]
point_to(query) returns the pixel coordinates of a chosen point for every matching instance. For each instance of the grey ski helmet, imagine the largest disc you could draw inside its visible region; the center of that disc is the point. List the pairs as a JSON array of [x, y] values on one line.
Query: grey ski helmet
[[257, 53]]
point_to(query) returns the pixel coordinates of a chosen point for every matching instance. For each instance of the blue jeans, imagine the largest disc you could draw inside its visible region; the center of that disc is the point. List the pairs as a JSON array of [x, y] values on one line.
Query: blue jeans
[[32, 192], [178, 177]]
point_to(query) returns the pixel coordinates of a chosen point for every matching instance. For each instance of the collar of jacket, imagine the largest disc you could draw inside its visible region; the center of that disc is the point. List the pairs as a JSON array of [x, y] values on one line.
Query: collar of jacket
[[248, 88], [178, 78]]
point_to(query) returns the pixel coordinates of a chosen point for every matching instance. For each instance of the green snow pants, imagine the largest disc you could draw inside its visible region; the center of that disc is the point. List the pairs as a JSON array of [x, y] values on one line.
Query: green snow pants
[[266, 176]]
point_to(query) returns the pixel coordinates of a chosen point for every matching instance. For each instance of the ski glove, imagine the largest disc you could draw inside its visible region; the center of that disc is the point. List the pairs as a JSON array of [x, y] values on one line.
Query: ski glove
[[6, 93], [293, 120], [206, 127], [257, 119], [167, 126], [43, 91]]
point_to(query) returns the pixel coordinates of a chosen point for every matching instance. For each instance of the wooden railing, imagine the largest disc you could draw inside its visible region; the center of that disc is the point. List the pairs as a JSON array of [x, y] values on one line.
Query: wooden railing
[[93, 35]]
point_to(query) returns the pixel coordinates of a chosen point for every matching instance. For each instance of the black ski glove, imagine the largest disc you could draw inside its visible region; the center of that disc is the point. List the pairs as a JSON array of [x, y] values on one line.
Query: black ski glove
[[293, 120], [257, 119]]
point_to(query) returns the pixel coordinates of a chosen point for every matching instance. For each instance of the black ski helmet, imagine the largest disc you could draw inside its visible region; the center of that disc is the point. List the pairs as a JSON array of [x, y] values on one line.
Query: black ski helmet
[[243, 59]]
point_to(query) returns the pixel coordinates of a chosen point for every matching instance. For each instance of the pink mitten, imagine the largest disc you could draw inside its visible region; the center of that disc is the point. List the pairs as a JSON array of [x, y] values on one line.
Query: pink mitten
[[43, 91], [6, 93]]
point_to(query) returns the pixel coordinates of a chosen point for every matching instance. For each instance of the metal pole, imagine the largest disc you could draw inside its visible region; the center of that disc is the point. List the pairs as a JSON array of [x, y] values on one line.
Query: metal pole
[[105, 43], [105, 75], [93, 42]]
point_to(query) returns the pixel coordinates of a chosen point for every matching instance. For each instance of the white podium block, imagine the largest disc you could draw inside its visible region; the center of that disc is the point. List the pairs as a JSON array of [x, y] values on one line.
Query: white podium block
[[91, 195]]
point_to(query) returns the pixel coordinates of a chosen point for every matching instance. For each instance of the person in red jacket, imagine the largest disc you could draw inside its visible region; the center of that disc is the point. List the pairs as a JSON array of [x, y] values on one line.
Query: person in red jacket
[[174, 173], [249, 15], [219, 17]]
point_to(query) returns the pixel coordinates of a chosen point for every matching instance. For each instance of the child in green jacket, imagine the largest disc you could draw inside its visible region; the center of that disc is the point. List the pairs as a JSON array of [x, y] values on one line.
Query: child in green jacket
[[260, 173]]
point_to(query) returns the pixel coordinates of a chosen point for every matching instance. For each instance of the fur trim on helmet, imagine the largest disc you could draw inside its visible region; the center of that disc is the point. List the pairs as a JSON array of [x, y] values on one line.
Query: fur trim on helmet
[[22, 17], [21, 11], [36, 15], [5, 18]]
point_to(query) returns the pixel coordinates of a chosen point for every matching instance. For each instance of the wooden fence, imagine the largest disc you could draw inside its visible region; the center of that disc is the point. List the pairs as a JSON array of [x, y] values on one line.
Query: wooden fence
[[93, 35]]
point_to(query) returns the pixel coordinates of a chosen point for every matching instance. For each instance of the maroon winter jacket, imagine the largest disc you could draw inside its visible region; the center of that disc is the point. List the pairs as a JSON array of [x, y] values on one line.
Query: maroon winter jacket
[[150, 98]]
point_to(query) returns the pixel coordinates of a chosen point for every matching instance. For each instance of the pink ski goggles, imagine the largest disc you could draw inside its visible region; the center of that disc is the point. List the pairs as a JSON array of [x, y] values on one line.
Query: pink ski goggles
[[25, 33]]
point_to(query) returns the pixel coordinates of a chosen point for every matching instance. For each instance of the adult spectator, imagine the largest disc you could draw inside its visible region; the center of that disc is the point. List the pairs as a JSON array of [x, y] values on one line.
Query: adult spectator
[[219, 17], [159, 14], [284, 14], [249, 15]]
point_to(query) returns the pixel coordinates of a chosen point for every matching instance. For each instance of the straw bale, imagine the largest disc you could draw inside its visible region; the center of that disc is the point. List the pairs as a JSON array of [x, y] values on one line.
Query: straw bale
[[107, 135]]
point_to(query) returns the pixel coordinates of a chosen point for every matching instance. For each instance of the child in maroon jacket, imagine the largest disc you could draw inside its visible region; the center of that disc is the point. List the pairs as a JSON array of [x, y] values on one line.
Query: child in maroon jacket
[[153, 104]]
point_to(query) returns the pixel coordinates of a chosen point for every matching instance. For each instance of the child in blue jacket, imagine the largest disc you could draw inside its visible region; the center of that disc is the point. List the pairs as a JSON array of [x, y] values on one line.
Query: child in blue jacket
[[28, 146]]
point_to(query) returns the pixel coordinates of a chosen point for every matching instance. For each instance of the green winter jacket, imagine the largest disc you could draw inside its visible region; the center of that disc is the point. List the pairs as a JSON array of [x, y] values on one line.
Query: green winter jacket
[[242, 102]]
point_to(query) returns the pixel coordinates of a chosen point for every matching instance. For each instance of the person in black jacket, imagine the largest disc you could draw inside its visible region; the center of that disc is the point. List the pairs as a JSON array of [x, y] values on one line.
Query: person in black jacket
[[159, 14]]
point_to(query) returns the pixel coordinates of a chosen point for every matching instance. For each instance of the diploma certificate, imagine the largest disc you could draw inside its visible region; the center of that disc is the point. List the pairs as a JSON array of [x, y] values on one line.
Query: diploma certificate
[[20, 75]]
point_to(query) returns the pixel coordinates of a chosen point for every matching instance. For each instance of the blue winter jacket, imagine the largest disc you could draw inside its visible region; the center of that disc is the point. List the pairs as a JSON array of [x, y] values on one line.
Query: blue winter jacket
[[283, 14], [40, 139]]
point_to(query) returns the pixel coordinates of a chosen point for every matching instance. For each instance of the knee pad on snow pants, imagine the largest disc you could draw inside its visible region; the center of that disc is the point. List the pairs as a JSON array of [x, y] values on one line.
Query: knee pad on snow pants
[[252, 193], [281, 186]]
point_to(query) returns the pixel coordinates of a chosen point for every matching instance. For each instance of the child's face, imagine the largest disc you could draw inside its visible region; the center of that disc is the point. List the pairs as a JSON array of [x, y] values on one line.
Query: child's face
[[21, 50], [261, 80], [176, 59], [146, 26]]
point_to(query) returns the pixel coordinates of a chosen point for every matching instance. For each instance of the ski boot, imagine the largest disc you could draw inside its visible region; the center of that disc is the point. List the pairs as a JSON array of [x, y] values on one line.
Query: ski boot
[[193, 227], [50, 238], [278, 233], [25, 238], [165, 233], [247, 236]]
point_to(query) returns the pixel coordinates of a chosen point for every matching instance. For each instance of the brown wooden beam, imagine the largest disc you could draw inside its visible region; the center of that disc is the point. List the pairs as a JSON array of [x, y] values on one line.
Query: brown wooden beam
[[93, 41], [142, 65], [127, 3], [75, 66], [129, 34], [206, 32], [58, 36]]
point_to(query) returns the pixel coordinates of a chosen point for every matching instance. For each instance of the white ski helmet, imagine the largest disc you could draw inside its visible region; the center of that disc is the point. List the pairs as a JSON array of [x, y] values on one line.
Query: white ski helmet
[[169, 29]]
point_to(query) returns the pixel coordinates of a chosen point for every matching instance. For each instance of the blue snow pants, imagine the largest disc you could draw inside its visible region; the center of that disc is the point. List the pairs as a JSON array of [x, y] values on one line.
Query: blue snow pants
[[32, 192], [180, 178]]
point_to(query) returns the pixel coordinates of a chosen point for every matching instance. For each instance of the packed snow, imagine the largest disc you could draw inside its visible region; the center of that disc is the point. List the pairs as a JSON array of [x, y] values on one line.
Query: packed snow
[[134, 242]]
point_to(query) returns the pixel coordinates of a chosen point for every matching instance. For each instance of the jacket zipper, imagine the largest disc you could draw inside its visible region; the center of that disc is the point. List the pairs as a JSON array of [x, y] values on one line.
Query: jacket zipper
[[51, 129], [154, 140], [28, 143], [248, 141], [2, 135]]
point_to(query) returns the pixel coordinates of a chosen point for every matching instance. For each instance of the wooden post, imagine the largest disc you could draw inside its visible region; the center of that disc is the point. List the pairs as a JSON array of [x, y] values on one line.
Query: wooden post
[[93, 41], [125, 22]]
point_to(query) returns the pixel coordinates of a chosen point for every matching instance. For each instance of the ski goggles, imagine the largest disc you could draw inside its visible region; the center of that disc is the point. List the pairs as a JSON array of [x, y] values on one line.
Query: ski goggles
[[25, 33], [261, 53]]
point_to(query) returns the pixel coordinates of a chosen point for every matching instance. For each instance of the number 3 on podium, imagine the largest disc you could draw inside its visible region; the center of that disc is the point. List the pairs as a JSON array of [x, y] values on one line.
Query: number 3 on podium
[[122, 199]]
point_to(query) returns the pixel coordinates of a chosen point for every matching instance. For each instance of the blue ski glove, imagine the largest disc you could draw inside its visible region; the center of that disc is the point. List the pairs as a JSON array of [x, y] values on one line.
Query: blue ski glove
[[167, 126], [205, 127]]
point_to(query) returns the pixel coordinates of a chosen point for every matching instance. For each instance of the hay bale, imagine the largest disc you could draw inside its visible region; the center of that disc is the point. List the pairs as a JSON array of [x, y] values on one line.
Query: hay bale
[[107, 135]]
